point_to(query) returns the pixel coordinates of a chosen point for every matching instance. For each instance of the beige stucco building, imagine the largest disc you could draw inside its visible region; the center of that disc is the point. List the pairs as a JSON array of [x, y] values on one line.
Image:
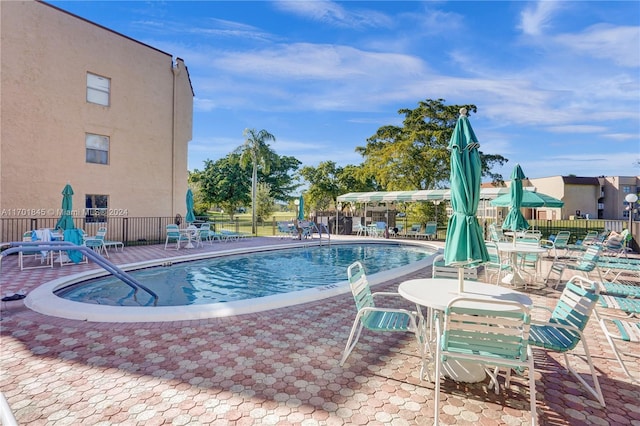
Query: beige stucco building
[[84, 105]]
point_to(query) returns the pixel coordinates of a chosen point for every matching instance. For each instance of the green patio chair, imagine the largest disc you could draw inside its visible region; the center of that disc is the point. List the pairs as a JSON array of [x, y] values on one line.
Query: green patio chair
[[493, 334], [496, 264], [373, 317], [174, 236], [586, 264], [563, 331]]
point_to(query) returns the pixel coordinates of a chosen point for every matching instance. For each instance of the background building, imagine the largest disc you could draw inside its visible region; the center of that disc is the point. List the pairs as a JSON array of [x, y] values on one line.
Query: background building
[[84, 105]]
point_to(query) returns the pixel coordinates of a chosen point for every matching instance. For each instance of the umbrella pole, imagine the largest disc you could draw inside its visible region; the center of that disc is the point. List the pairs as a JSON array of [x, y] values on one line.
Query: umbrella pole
[[460, 280]]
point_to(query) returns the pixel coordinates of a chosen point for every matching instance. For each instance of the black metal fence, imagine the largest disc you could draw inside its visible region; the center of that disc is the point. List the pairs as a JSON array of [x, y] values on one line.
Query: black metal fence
[[130, 230], [152, 230]]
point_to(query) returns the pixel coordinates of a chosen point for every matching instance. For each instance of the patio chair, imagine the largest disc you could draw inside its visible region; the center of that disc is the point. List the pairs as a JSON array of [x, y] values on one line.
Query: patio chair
[[493, 334], [376, 318], [360, 229], [563, 331], [496, 264], [440, 270], [39, 259], [560, 242], [96, 243], [430, 231], [174, 236], [496, 234], [586, 264], [625, 333], [286, 229]]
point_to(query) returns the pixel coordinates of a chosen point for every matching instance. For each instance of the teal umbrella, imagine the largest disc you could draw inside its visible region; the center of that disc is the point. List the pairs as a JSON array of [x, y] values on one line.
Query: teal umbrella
[[301, 208], [190, 218], [464, 245], [515, 221], [66, 220], [529, 199]]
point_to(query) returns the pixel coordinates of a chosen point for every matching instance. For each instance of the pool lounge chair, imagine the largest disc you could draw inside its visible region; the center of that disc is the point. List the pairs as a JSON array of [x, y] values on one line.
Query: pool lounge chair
[[430, 231]]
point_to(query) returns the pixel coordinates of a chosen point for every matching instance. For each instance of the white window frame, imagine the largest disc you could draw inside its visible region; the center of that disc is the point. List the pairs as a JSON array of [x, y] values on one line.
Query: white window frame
[[98, 89], [97, 148]]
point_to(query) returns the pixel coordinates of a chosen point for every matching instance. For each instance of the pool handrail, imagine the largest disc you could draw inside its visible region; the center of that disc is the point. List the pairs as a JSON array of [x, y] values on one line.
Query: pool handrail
[[36, 246]]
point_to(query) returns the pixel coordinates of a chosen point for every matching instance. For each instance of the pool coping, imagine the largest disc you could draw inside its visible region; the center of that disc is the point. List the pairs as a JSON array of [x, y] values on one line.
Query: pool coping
[[43, 301]]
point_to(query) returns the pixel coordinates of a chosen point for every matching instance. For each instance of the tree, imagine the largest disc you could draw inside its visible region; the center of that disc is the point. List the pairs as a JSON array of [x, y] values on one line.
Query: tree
[[265, 205], [415, 156], [327, 181], [223, 183], [257, 152]]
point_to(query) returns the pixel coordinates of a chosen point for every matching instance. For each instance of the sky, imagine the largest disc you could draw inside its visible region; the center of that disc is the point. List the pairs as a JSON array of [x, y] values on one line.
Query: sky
[[556, 83]]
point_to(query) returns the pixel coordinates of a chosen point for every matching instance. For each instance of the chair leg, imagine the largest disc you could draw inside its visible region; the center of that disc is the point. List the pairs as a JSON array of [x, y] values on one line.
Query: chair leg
[[595, 389], [349, 346]]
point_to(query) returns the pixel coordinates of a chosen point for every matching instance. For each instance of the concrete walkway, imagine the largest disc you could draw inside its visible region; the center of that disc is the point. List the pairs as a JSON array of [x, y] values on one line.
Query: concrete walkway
[[275, 367]]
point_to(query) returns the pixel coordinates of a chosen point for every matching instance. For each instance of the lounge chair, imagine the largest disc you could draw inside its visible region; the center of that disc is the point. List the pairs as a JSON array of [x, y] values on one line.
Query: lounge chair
[[111, 243], [287, 229], [414, 230], [430, 231]]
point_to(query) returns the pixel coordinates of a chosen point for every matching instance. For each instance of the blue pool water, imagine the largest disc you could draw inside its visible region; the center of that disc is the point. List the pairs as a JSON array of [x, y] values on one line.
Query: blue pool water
[[247, 276]]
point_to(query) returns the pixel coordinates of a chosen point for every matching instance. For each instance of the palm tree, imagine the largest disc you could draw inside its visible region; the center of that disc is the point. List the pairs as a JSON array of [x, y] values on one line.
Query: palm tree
[[256, 151]]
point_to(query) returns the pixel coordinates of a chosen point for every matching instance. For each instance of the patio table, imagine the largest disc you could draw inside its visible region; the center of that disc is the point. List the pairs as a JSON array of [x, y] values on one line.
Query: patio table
[[189, 232], [436, 293], [515, 278]]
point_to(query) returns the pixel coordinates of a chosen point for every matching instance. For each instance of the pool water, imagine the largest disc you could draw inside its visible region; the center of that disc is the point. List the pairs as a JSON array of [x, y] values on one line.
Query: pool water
[[247, 276]]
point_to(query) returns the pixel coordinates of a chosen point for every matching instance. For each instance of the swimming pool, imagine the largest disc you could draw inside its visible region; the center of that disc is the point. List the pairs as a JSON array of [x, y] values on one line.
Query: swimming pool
[[227, 285]]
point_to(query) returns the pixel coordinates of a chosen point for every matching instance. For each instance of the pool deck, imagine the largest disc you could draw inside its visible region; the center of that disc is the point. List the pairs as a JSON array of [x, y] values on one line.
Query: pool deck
[[274, 367]]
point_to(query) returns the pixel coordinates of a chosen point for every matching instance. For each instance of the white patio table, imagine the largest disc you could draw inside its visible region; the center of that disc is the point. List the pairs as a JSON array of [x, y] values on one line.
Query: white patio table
[[515, 278], [436, 293], [189, 232]]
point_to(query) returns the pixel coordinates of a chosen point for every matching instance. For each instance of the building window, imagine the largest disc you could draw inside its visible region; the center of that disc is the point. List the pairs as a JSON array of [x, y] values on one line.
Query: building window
[[97, 148], [98, 89], [626, 189], [96, 207]]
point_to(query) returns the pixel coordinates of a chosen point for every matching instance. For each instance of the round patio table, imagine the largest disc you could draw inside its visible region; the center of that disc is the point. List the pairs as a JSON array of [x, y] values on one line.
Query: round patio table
[[515, 278]]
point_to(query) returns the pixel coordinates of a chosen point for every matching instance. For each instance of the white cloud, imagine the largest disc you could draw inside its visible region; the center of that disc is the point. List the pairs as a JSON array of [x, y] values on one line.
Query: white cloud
[[536, 18], [620, 44], [334, 14]]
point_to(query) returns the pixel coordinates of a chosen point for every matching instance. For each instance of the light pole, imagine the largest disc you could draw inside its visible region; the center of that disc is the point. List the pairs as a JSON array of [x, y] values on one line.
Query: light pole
[[631, 199]]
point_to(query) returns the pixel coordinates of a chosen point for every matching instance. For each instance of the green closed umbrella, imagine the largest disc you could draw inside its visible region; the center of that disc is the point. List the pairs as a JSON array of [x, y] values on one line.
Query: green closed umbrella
[[464, 245], [66, 220], [301, 208], [190, 218], [515, 221]]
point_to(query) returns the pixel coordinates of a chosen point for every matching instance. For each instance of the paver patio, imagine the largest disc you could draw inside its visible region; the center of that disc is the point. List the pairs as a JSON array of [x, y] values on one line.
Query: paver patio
[[274, 367]]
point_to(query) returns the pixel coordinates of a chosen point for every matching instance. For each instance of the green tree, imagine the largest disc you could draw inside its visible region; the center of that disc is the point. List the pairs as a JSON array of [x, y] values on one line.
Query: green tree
[[281, 177], [224, 183], [257, 152], [328, 180], [415, 155], [265, 204]]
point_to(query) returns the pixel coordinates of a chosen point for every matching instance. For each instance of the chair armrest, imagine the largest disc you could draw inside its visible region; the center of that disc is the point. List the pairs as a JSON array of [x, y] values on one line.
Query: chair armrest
[[385, 293]]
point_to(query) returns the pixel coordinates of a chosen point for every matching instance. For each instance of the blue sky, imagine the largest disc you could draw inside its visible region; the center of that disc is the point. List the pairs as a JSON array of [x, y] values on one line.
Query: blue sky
[[556, 83]]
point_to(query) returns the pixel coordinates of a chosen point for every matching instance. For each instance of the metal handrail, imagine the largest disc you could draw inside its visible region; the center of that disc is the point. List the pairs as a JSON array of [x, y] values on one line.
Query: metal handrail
[[36, 246]]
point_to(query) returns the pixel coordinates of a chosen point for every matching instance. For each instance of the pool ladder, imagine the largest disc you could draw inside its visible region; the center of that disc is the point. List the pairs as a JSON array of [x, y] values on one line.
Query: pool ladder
[[37, 246], [320, 228]]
